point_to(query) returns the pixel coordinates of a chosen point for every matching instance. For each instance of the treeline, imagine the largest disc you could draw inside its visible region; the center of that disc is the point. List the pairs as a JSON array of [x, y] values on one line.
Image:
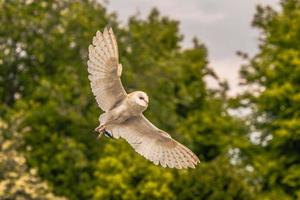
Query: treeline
[[47, 112]]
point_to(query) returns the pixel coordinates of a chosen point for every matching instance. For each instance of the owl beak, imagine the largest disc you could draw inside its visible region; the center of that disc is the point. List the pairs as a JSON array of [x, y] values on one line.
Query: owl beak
[[146, 101]]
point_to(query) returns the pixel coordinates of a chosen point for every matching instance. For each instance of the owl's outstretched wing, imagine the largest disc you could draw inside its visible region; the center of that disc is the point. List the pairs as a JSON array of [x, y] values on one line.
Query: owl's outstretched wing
[[153, 143], [105, 70]]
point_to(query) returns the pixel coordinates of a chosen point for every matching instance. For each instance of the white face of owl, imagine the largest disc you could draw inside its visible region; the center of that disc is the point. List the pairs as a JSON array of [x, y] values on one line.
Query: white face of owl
[[141, 99]]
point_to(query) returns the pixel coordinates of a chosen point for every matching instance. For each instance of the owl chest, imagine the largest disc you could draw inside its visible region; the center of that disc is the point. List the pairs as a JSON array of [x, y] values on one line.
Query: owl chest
[[125, 111]]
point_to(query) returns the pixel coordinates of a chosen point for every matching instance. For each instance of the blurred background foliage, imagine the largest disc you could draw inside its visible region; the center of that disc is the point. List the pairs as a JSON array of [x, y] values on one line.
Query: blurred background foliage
[[47, 112]]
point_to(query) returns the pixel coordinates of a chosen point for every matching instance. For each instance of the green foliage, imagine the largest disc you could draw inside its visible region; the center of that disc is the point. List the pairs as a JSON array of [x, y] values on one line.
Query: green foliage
[[55, 91], [122, 174], [275, 71], [43, 74], [224, 178], [17, 181]]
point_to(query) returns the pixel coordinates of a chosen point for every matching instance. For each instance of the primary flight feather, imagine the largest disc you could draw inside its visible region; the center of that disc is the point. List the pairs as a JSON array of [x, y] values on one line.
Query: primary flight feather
[[123, 117]]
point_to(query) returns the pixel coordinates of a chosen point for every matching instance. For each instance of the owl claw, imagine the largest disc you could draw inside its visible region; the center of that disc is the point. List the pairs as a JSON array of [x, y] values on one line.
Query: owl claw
[[101, 129]]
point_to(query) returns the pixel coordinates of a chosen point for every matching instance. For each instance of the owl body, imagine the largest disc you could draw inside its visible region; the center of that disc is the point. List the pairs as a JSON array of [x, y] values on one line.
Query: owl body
[[133, 105]]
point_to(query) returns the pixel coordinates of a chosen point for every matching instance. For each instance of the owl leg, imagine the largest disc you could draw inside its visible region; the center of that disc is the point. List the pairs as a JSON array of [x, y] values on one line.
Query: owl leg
[[100, 129]]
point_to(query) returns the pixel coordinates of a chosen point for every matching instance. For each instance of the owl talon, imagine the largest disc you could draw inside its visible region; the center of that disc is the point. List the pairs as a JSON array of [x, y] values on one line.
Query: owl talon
[[100, 128]]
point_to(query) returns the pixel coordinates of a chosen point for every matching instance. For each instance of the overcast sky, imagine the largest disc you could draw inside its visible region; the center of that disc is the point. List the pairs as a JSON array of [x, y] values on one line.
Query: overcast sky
[[224, 26]]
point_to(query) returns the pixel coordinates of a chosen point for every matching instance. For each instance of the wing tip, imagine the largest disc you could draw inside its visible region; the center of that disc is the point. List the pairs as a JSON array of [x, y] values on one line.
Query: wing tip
[[98, 34], [107, 27]]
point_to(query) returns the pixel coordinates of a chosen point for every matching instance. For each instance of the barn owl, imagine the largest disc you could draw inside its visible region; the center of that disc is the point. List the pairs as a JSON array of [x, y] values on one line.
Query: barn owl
[[123, 113]]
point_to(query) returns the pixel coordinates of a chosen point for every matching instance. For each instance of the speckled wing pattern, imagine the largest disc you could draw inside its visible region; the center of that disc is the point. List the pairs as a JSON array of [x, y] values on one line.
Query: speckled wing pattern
[[105, 71], [154, 144]]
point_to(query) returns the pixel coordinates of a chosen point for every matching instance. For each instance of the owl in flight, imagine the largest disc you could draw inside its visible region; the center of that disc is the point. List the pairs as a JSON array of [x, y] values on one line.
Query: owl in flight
[[123, 113]]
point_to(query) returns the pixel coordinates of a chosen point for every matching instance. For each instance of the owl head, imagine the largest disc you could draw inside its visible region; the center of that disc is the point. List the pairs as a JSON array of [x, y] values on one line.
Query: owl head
[[140, 99]]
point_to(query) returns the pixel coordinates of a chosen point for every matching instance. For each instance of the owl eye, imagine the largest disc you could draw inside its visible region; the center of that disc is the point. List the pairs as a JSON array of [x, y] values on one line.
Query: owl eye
[[141, 98]]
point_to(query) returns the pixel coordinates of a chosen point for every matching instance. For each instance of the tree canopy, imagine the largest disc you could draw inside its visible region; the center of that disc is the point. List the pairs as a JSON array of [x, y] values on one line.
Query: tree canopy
[[274, 73], [48, 112]]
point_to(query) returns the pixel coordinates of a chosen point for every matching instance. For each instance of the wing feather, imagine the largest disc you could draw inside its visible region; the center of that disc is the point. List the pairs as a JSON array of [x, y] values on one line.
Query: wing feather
[[169, 158], [175, 159], [114, 43], [105, 70], [108, 42], [154, 144], [157, 154]]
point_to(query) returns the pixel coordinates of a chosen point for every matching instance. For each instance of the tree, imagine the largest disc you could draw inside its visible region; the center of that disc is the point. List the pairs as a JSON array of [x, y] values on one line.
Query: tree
[[48, 81], [274, 73], [180, 103], [17, 181], [43, 71]]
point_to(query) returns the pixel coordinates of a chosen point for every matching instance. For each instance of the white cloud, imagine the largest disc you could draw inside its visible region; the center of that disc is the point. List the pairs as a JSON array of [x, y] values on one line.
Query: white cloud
[[223, 25]]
